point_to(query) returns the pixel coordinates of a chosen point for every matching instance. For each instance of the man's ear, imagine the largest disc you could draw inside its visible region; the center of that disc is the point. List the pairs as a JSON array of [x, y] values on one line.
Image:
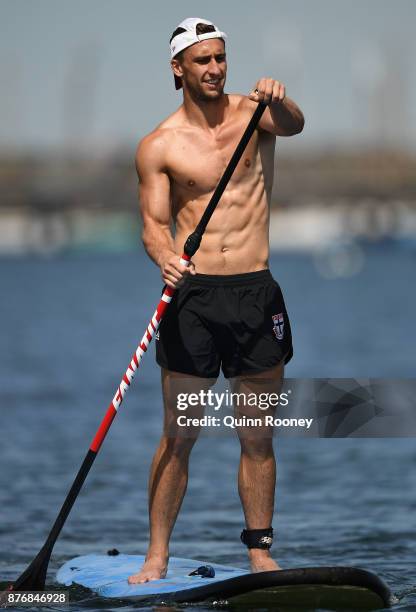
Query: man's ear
[[176, 67]]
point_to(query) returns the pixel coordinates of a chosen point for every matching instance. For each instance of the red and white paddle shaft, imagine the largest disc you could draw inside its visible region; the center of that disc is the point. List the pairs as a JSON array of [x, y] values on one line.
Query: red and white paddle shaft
[[134, 363]]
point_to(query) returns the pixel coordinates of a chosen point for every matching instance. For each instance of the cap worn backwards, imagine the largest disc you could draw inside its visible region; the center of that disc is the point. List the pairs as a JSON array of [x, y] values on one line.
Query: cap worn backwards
[[189, 37]]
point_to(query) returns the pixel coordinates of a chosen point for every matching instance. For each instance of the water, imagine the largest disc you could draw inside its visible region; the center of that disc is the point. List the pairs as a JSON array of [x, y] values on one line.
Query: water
[[68, 328]]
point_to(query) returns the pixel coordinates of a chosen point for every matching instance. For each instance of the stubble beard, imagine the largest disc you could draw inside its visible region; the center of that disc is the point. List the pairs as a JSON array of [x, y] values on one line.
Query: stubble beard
[[201, 96]]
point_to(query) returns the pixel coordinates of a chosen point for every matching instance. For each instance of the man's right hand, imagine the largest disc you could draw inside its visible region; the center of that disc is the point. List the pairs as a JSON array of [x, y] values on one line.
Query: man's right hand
[[173, 272]]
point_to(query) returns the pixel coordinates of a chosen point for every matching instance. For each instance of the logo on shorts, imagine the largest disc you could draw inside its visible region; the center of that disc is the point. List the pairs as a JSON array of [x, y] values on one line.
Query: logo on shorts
[[278, 324], [157, 335]]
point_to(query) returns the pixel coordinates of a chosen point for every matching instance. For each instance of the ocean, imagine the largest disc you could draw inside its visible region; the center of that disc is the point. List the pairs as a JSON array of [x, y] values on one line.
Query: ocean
[[68, 327]]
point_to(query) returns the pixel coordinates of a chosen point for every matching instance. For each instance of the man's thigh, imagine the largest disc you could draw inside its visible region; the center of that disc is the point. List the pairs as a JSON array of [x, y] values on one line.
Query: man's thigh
[[256, 397], [181, 398]]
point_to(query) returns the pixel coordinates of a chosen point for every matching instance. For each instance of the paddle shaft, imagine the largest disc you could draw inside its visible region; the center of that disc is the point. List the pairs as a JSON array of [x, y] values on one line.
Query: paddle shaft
[[34, 576]]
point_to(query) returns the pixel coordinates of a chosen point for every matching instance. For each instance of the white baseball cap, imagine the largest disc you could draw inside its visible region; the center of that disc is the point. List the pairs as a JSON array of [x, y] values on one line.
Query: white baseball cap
[[189, 37]]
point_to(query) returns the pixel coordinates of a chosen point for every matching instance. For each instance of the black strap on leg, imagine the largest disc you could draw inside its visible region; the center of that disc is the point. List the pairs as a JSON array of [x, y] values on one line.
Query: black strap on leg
[[257, 538]]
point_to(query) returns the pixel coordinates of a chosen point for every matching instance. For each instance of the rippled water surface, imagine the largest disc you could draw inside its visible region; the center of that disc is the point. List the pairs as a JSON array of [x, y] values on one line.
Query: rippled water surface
[[68, 328]]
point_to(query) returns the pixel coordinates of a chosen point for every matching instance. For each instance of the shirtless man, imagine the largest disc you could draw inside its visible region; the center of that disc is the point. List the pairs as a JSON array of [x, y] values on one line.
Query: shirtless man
[[229, 311]]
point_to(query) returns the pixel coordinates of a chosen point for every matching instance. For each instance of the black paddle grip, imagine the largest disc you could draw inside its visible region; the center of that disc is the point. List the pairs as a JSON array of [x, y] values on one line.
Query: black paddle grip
[[192, 243]]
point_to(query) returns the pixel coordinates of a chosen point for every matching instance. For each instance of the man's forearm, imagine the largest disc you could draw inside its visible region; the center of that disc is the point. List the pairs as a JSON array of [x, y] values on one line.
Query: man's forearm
[[158, 242], [287, 116]]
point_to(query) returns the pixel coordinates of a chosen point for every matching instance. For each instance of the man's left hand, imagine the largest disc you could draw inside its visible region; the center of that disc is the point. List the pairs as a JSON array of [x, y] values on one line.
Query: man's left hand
[[269, 91]]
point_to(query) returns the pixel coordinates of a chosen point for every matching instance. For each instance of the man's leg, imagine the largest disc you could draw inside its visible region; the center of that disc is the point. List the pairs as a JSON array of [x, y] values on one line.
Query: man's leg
[[169, 472], [257, 471]]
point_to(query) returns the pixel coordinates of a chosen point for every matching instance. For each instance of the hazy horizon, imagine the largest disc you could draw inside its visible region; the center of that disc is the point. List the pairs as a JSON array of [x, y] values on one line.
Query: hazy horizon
[[96, 76]]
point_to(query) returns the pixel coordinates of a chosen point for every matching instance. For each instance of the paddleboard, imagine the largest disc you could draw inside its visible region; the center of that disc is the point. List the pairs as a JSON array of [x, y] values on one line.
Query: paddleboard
[[106, 576]]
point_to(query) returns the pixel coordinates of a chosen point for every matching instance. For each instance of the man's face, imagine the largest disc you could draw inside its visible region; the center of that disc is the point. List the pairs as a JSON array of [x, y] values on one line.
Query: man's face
[[203, 69]]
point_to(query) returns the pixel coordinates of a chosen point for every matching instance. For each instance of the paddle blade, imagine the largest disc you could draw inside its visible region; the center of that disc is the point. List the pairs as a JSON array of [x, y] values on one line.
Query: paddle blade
[[34, 576]]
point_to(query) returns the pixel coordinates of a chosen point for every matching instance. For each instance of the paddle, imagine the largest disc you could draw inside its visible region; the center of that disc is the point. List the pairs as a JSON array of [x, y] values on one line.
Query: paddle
[[33, 578]]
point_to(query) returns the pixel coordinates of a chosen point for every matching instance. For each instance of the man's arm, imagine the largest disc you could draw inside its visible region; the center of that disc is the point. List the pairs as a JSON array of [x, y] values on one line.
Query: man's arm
[[282, 117], [154, 196]]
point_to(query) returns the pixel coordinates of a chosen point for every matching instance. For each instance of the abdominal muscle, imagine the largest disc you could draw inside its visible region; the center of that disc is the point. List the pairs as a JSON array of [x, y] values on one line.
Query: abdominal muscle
[[236, 240]]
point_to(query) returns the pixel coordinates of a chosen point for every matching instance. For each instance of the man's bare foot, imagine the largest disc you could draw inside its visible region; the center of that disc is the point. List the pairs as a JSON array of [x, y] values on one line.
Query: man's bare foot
[[154, 568], [261, 561]]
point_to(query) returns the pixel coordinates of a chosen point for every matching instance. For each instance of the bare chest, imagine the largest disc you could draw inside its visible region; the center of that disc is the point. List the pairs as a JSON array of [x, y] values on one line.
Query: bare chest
[[197, 162]]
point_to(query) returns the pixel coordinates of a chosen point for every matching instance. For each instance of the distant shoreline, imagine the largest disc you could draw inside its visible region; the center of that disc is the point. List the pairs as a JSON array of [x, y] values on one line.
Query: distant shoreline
[[309, 227]]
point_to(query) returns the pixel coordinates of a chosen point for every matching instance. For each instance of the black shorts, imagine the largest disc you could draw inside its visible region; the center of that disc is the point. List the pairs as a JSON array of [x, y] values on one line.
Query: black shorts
[[237, 322]]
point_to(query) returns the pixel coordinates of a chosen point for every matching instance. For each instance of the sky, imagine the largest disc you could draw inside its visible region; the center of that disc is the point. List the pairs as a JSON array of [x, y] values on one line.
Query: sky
[[94, 75]]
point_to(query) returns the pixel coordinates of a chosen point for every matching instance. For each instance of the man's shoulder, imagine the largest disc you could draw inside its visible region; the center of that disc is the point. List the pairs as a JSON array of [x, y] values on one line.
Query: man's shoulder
[[242, 103], [243, 108], [150, 152], [152, 142], [155, 144], [155, 139], [246, 107]]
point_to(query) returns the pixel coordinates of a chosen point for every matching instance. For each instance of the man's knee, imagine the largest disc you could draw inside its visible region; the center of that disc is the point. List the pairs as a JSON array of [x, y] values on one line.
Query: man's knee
[[257, 449], [179, 446]]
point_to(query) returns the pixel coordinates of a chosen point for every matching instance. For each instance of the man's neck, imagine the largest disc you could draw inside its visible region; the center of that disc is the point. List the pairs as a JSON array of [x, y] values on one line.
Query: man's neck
[[205, 114]]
